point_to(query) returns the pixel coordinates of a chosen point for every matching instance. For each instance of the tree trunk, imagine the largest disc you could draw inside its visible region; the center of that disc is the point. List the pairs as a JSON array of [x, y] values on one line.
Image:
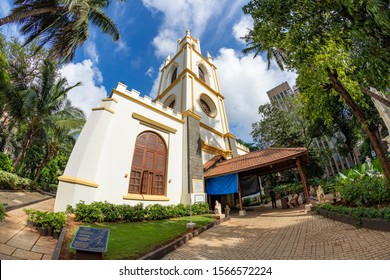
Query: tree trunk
[[22, 15], [376, 96], [370, 129], [27, 141]]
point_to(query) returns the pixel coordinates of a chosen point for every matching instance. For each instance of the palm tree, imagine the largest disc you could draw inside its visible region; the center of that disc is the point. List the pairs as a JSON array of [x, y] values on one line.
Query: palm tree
[[43, 102], [61, 23], [60, 131]]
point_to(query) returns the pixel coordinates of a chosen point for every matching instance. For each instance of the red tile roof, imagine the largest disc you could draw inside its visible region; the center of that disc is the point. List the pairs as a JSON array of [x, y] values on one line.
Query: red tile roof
[[213, 161], [257, 159]]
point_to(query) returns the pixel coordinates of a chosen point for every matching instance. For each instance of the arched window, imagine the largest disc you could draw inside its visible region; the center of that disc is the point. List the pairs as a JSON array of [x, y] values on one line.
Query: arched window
[[149, 163], [170, 101], [174, 76], [201, 74], [172, 104]]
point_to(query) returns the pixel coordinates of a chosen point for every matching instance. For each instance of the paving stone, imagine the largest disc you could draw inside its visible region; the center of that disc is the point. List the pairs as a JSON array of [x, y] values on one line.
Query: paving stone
[[26, 255], [7, 233], [24, 239], [7, 257], [42, 250], [6, 250]]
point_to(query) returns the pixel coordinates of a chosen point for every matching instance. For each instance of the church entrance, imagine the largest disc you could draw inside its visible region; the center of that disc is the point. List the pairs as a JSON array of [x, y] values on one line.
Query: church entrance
[[149, 164]]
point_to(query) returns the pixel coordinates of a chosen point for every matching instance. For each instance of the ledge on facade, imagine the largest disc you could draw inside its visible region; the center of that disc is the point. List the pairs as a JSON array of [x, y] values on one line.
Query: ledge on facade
[[133, 196]]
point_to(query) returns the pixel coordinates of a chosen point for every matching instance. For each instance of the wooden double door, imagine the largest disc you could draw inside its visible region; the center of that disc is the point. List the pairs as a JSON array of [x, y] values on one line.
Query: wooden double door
[[149, 165]]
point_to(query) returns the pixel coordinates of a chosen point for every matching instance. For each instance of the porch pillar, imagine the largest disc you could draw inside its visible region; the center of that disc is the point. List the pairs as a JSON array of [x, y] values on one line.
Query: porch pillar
[[303, 179], [242, 212]]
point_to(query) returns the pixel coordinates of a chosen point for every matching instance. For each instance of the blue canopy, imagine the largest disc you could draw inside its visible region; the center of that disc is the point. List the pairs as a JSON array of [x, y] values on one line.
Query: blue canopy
[[226, 184]]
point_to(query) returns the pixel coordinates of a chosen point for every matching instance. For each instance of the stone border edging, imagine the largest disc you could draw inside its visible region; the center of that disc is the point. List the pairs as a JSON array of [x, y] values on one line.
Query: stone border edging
[[13, 207], [57, 249], [161, 252], [374, 224]]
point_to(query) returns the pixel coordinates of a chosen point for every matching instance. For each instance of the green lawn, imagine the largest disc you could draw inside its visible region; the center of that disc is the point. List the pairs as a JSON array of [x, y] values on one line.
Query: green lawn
[[132, 240]]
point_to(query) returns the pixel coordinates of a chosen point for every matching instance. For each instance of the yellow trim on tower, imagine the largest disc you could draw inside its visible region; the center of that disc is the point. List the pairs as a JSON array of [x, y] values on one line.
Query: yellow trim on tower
[[153, 123], [134, 196], [205, 126], [138, 101], [215, 151], [230, 135], [181, 94], [192, 114], [103, 108], [168, 89], [192, 93], [110, 99], [78, 181], [159, 84]]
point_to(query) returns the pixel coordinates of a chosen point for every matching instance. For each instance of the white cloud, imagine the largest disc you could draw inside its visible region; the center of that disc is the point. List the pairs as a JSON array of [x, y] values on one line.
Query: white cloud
[[121, 47], [178, 16], [240, 29], [90, 93], [91, 52], [244, 82], [150, 72], [153, 92]]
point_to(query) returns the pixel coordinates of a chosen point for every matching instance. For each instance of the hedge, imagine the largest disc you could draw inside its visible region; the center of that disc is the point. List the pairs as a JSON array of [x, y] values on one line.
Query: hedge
[[108, 212], [10, 181], [358, 212]]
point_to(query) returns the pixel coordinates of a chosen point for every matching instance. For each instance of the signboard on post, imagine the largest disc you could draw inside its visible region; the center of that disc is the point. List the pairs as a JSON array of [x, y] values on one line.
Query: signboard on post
[[197, 186]]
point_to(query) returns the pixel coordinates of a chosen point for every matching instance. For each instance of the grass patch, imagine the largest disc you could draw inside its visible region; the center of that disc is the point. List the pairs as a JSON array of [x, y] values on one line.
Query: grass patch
[[132, 240]]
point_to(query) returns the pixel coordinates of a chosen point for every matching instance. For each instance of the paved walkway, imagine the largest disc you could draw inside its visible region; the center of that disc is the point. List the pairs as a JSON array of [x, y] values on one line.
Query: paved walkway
[[276, 234], [19, 242], [265, 233]]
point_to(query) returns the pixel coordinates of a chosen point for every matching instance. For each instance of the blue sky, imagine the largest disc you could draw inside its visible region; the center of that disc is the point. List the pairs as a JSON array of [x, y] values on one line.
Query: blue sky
[[149, 31]]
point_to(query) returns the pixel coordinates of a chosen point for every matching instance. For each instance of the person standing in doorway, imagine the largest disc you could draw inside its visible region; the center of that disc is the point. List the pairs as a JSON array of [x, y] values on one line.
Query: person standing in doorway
[[273, 198]]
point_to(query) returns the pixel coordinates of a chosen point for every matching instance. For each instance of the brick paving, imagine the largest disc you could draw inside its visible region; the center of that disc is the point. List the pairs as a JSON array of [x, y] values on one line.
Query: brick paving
[[19, 242], [291, 234]]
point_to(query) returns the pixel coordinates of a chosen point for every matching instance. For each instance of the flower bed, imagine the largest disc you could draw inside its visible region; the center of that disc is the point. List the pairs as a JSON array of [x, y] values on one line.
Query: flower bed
[[372, 218]]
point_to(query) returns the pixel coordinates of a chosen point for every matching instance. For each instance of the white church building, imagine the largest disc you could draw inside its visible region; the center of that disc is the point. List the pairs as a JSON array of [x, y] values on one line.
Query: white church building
[[134, 149]]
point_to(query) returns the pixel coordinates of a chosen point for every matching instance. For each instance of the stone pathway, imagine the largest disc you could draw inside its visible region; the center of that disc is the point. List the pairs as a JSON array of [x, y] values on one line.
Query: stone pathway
[[19, 242], [276, 234]]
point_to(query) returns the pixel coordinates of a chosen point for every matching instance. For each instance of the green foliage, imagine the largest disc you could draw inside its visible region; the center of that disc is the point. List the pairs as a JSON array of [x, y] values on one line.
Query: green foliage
[[88, 213], [156, 212], [363, 186], [358, 212], [108, 212], [10, 181], [2, 212], [5, 163], [338, 48], [132, 213], [47, 220]]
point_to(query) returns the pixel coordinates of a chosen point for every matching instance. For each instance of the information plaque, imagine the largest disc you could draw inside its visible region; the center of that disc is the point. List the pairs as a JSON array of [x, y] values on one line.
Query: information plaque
[[90, 243]]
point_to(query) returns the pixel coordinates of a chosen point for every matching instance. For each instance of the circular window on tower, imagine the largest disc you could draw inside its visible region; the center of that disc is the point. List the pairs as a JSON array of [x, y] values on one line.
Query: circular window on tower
[[208, 106]]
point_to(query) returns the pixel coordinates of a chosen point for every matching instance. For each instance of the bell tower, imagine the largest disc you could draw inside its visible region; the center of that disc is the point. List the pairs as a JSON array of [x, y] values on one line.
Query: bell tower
[[189, 85]]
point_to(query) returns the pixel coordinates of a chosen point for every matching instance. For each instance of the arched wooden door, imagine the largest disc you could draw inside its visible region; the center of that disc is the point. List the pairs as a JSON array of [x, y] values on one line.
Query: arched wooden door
[[149, 163]]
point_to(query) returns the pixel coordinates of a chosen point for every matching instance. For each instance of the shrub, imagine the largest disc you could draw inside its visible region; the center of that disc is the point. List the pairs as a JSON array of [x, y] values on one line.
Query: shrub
[[88, 213], [156, 212], [200, 208], [132, 213], [5, 163], [10, 181], [2, 212], [111, 212], [366, 191], [108, 212], [358, 212]]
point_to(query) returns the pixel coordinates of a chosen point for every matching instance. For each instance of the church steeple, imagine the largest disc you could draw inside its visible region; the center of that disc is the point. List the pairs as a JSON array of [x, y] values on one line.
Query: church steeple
[[189, 85]]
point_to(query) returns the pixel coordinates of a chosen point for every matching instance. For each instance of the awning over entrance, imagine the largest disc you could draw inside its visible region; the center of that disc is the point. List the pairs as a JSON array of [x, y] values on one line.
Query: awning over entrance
[[267, 161]]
